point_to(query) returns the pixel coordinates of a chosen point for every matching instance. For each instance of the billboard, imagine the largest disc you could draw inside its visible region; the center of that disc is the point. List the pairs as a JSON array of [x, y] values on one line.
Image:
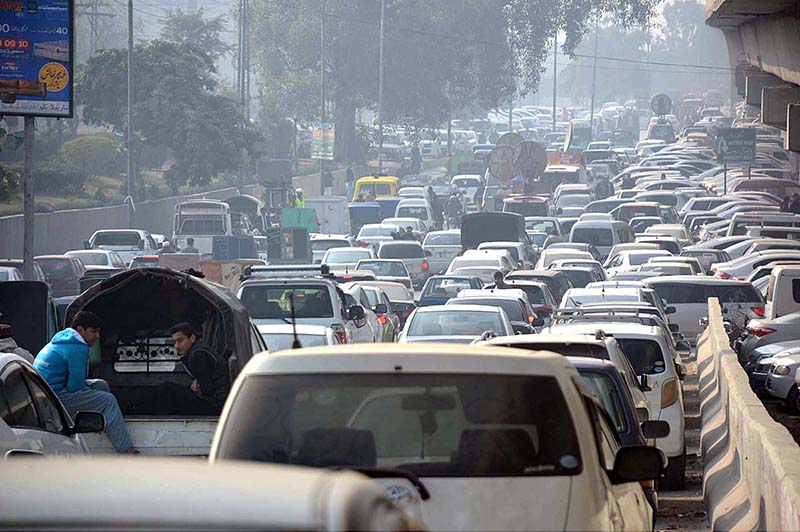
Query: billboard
[[322, 141], [36, 57]]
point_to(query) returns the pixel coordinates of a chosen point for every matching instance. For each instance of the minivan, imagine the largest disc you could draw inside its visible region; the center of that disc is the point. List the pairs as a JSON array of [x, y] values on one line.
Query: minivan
[[602, 234]]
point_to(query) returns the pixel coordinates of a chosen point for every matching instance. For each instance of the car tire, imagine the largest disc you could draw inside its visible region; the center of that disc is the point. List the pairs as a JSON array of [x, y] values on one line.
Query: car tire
[[793, 401], [675, 475]]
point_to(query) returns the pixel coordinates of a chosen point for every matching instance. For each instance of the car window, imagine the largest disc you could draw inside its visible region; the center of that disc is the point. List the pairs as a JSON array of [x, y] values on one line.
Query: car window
[[602, 387], [739, 293], [513, 307], [22, 412], [384, 268], [401, 251], [443, 425], [645, 355], [125, 239], [595, 236], [57, 268], [50, 417], [273, 302], [93, 259], [325, 245], [455, 323], [442, 239]]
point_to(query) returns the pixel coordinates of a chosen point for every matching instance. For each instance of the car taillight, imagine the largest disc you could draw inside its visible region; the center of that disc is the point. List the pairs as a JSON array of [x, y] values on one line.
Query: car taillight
[[383, 320], [759, 311], [425, 266], [339, 331], [669, 392], [760, 332], [723, 275]]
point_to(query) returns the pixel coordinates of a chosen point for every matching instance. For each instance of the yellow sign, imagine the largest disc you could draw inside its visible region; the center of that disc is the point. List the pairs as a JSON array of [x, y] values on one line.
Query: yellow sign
[[55, 76]]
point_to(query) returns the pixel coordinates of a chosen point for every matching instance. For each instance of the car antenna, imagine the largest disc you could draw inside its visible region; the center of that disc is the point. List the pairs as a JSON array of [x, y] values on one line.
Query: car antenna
[[296, 342]]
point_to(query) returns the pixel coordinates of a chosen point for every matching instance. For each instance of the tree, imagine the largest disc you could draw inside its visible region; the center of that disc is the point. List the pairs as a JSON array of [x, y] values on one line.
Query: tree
[[177, 105], [194, 29]]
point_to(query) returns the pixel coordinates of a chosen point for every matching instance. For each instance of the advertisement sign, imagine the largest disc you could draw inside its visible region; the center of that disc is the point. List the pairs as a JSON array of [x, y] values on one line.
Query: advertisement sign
[[322, 141], [36, 57], [736, 145]]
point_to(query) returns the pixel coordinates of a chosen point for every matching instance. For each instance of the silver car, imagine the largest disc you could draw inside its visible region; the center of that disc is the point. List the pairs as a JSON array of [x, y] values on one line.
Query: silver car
[[455, 324]]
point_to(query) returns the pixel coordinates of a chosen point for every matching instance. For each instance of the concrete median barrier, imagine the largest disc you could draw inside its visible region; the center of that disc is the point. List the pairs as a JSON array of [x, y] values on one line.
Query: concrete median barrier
[[751, 471]]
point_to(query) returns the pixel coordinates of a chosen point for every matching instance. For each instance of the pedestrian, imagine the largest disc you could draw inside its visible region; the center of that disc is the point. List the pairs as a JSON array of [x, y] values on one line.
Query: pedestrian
[[628, 182], [327, 183], [167, 247], [408, 234], [207, 369], [9, 345], [299, 200], [499, 281], [416, 159], [350, 180], [190, 246], [436, 208], [795, 205], [63, 364]]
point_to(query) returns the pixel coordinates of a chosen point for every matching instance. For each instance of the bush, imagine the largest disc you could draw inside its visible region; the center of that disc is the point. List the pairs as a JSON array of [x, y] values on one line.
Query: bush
[[58, 176], [94, 154]]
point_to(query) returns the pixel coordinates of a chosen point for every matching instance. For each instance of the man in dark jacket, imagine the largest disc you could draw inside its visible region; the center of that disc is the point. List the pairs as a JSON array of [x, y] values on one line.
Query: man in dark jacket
[[209, 372], [794, 206]]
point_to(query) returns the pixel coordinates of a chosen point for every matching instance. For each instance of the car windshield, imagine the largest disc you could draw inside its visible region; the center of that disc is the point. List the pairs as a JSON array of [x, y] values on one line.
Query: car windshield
[[274, 302], [279, 342], [645, 355], [127, 239], [56, 268], [386, 268], [402, 250], [455, 323], [443, 425], [541, 226], [578, 277], [604, 390], [637, 259], [442, 239], [444, 287], [346, 256], [513, 308], [376, 231], [413, 212], [667, 269], [595, 236]]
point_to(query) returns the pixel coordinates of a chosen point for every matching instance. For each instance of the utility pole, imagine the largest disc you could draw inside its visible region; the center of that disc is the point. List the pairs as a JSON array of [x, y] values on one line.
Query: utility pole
[[555, 76], [594, 74], [243, 61], [28, 201], [322, 87], [129, 131], [380, 94]]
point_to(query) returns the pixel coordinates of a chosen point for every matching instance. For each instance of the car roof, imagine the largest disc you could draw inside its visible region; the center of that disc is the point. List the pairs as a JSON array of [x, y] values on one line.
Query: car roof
[[613, 328], [415, 357], [696, 279], [491, 293], [286, 328], [64, 257], [546, 338], [457, 308]]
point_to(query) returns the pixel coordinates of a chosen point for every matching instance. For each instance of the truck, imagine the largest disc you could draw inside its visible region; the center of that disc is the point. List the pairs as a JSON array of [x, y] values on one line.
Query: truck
[[201, 220], [137, 359], [332, 214]]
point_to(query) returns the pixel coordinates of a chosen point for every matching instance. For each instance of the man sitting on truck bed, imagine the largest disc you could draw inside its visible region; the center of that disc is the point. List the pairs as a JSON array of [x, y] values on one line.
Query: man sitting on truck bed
[[209, 371], [63, 364]]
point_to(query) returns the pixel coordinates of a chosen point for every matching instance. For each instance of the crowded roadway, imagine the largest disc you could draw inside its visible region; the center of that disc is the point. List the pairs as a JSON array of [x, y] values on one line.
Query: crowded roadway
[[460, 349]]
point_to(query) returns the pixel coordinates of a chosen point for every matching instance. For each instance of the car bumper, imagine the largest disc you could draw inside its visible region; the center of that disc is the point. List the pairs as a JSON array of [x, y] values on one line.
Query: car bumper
[[779, 385], [673, 445]]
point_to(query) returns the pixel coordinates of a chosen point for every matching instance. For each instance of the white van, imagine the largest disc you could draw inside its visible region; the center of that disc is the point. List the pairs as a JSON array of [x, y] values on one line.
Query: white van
[[415, 208], [741, 221], [201, 220], [602, 234]]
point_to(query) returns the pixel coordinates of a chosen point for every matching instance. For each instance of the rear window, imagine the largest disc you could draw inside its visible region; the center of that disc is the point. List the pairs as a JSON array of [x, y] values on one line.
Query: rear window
[[56, 268], [512, 307], [402, 251], [645, 355], [346, 255], [445, 287], [325, 245], [442, 425], [512, 250], [273, 302], [377, 231], [526, 208], [202, 226], [687, 293], [391, 269], [126, 239], [535, 293], [541, 226], [579, 278], [413, 212], [569, 349], [593, 236], [442, 239]]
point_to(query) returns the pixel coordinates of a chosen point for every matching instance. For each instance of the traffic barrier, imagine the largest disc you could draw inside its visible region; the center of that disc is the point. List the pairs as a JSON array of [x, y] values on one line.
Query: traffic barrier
[[751, 464]]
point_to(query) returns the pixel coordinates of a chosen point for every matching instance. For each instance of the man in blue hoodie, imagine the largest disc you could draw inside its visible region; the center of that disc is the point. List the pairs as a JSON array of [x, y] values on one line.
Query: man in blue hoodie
[[63, 363]]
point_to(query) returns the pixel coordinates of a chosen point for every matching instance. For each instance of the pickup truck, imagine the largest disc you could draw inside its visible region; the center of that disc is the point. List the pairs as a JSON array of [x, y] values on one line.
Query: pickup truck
[[136, 357], [201, 220]]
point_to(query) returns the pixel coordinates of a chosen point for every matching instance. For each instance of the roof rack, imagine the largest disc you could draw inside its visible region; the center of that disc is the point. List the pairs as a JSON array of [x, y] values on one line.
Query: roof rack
[[288, 270], [604, 312]]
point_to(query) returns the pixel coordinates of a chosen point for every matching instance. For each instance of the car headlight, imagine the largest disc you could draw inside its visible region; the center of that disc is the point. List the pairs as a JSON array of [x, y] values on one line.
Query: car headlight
[[781, 370]]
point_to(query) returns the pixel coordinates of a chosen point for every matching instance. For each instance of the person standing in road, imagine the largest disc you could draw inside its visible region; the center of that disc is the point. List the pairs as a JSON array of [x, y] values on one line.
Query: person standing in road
[[190, 246], [63, 364], [208, 370], [795, 205], [436, 207], [350, 181], [299, 200], [327, 183]]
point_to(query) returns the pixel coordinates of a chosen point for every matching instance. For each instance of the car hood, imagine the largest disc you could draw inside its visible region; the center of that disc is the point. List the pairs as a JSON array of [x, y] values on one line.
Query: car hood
[[785, 358], [773, 349]]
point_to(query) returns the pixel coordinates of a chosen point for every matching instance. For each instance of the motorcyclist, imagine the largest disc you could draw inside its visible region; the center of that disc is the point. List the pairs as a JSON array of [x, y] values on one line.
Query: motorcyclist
[[454, 210]]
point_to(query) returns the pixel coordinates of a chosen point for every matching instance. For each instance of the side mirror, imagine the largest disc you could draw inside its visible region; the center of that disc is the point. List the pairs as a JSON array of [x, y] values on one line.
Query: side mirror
[[381, 308], [522, 328], [538, 322], [642, 414], [141, 244], [644, 383], [673, 327], [87, 422], [356, 313], [671, 310], [653, 429], [683, 345], [87, 244], [636, 463]]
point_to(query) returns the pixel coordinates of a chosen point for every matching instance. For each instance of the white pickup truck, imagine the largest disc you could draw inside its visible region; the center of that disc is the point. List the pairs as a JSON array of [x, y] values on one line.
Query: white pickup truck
[[136, 357], [201, 220]]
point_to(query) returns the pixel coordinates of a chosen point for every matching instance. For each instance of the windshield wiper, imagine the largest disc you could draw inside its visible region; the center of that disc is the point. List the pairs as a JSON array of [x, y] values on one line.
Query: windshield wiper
[[390, 472]]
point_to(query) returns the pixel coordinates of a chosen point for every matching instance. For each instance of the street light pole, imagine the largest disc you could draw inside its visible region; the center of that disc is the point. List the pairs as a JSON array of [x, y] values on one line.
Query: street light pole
[[380, 94], [594, 74], [322, 90], [129, 131], [555, 77]]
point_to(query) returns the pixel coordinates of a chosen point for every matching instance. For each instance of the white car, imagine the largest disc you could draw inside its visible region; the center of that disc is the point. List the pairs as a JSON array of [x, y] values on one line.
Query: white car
[[443, 246], [98, 259], [485, 438], [128, 243], [281, 336], [346, 259], [488, 258], [320, 243], [651, 353], [418, 208], [741, 267], [577, 297], [455, 324], [374, 234], [630, 260], [676, 231], [550, 255], [33, 420]]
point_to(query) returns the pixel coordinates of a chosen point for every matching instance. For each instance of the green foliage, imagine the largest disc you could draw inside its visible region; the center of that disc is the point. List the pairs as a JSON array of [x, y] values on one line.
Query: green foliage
[[9, 184], [94, 154], [194, 29], [59, 177]]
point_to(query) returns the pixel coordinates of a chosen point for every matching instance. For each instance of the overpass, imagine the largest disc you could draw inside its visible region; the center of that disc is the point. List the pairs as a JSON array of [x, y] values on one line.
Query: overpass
[[763, 42]]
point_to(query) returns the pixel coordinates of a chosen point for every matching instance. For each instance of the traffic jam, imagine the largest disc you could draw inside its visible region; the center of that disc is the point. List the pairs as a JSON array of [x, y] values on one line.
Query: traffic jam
[[502, 346]]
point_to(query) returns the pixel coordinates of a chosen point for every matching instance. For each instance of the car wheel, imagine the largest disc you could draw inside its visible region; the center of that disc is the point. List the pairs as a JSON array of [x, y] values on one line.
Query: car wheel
[[793, 401], [675, 475]]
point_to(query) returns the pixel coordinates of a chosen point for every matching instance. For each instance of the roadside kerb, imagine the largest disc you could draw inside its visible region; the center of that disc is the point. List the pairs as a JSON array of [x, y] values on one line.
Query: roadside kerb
[[751, 464]]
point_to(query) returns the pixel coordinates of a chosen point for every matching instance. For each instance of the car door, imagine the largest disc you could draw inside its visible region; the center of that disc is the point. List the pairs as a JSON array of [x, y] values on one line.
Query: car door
[[33, 414], [690, 304]]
